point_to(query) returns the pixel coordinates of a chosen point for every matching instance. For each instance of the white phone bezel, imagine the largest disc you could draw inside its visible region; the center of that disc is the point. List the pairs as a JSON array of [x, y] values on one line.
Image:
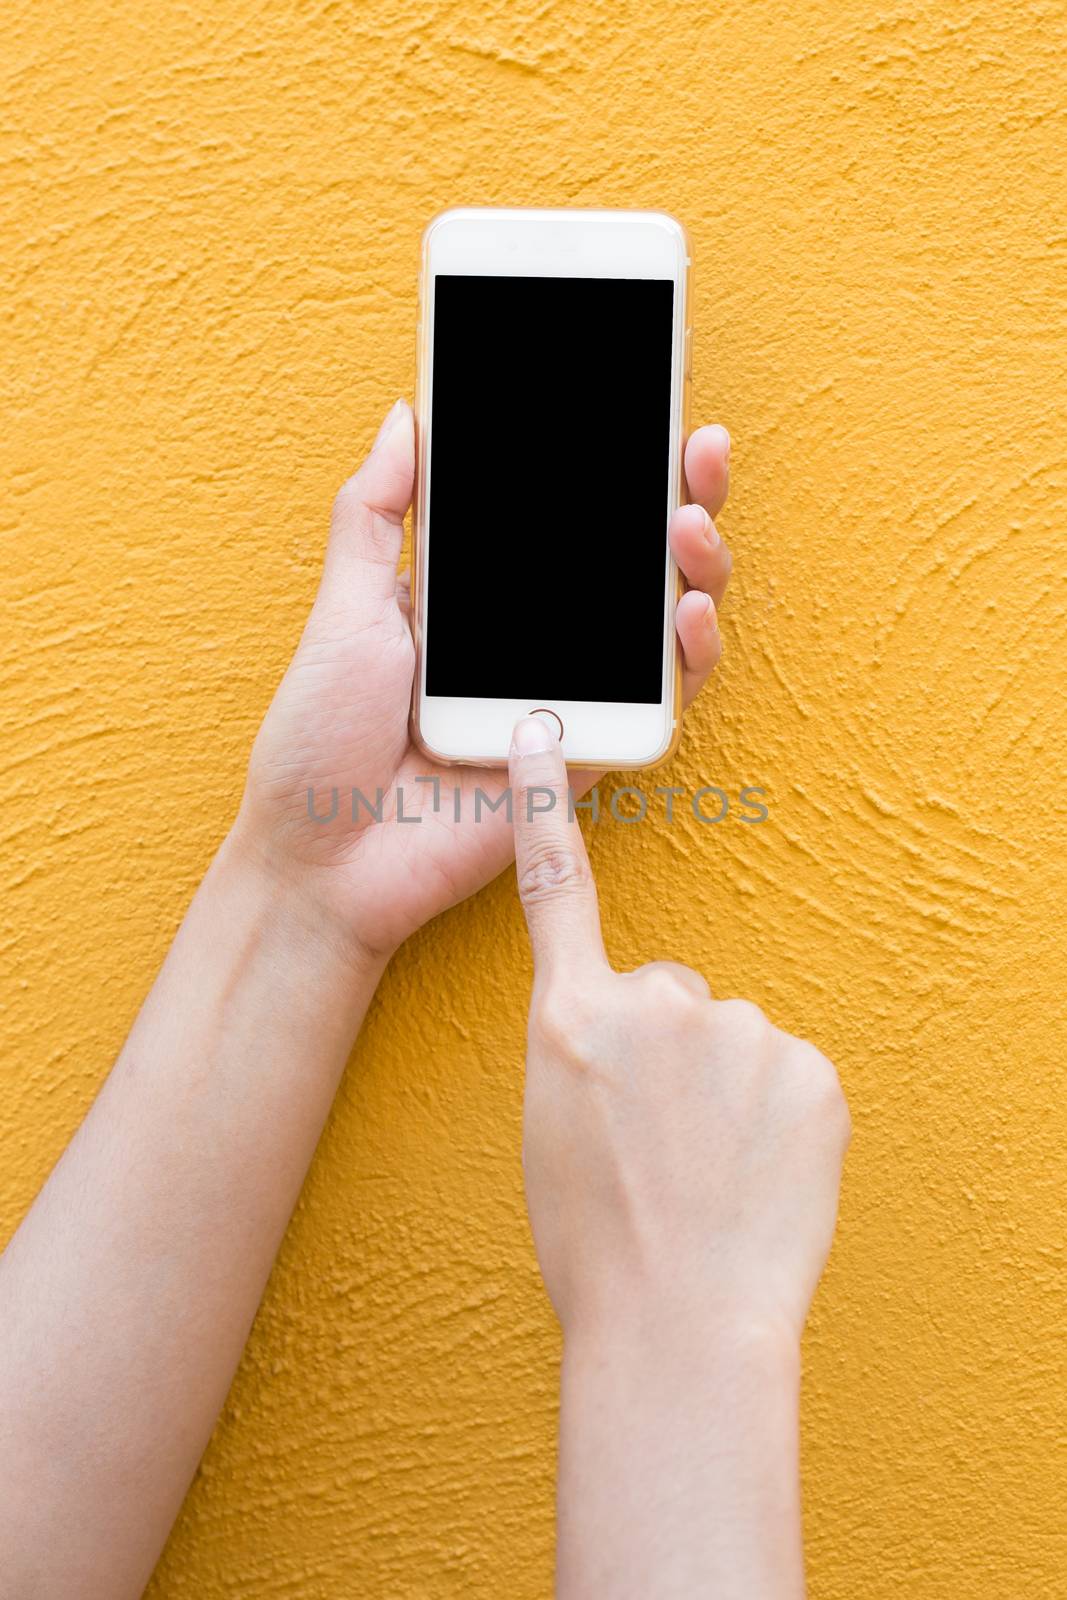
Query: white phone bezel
[[593, 244]]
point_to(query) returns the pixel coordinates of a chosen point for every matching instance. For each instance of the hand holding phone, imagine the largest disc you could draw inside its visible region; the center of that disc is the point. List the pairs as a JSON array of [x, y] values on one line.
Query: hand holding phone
[[339, 722]]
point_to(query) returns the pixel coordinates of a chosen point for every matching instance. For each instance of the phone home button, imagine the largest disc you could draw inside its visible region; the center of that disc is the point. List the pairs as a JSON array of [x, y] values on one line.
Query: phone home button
[[549, 717]]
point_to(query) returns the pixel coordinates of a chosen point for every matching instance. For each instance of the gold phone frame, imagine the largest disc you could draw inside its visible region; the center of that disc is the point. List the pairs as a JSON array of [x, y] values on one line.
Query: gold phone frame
[[680, 403]]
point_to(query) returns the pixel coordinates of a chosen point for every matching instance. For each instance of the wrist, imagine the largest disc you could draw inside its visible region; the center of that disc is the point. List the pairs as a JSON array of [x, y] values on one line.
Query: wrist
[[291, 897], [688, 1337]]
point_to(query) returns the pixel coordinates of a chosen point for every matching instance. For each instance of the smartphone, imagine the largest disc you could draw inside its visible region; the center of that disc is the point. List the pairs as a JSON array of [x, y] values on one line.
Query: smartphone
[[551, 412]]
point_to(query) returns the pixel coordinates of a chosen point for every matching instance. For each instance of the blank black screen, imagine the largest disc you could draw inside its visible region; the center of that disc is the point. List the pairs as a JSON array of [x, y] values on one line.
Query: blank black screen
[[548, 488]]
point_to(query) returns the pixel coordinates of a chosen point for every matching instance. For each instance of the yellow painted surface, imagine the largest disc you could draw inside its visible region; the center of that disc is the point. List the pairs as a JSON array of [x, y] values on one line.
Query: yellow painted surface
[[209, 221]]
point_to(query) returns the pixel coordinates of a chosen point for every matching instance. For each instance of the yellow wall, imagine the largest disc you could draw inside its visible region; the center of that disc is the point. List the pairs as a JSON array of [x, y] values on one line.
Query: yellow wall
[[209, 220]]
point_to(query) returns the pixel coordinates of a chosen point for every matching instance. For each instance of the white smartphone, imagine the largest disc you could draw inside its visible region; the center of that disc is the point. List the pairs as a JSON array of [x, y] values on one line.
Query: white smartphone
[[551, 408]]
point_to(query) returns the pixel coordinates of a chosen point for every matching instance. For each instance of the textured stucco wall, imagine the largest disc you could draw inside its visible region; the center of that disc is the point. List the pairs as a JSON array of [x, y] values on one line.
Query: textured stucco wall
[[208, 247]]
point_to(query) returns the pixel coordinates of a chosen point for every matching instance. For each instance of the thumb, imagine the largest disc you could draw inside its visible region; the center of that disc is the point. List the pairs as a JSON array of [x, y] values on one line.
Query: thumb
[[555, 882], [367, 525]]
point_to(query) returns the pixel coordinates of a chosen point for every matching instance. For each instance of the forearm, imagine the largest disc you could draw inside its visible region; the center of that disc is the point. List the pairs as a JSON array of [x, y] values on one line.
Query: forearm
[[678, 1471], [128, 1292]]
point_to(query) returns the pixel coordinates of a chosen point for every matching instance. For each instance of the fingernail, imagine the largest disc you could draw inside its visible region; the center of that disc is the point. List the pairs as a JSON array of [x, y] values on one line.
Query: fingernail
[[533, 735], [711, 533], [393, 416], [709, 613]]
